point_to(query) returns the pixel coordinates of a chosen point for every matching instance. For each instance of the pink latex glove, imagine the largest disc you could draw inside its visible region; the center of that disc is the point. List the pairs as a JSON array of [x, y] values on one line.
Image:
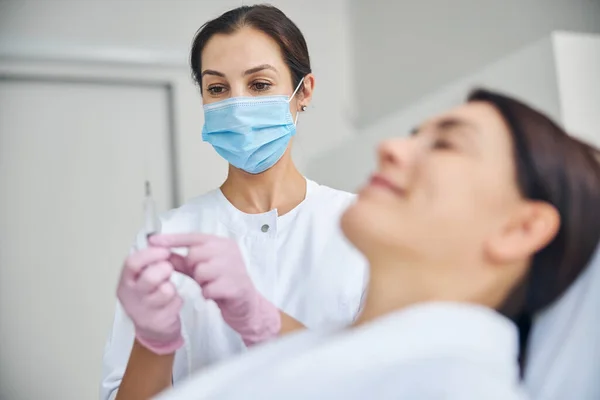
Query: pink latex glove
[[151, 300], [217, 265]]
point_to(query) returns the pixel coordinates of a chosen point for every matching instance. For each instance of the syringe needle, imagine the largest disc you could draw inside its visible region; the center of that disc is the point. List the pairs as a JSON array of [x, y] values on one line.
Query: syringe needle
[[151, 220]]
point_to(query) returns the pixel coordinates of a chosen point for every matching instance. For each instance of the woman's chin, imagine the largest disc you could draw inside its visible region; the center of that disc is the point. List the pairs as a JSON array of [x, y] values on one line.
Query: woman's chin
[[353, 226]]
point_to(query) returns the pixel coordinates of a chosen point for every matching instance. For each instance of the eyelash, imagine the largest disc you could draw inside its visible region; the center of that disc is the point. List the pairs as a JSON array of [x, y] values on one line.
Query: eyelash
[[265, 86], [442, 144], [211, 90]]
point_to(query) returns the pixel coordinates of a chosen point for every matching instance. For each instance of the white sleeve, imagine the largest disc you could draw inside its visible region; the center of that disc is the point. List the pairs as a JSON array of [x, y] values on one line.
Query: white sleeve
[[116, 354], [119, 342]]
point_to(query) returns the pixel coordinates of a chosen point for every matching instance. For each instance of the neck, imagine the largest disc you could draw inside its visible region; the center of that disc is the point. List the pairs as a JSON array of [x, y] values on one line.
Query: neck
[[387, 291], [282, 187], [395, 284]]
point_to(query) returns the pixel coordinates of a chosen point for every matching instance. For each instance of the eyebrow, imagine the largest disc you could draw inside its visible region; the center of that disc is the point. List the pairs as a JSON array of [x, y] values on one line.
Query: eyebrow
[[259, 68], [247, 72], [447, 123], [213, 72]]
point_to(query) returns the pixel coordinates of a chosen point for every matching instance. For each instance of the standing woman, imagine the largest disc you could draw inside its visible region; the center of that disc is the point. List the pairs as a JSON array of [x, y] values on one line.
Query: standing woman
[[263, 254]]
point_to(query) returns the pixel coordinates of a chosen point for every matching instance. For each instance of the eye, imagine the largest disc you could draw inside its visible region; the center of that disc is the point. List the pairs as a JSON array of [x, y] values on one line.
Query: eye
[[261, 86], [442, 144], [216, 90]]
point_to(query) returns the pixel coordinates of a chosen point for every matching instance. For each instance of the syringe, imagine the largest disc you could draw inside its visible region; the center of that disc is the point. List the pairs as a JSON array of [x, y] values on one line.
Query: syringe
[[151, 219]]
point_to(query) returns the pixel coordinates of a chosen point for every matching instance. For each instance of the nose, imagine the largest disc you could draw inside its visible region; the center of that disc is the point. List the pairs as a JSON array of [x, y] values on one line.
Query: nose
[[238, 87], [237, 90], [397, 153]]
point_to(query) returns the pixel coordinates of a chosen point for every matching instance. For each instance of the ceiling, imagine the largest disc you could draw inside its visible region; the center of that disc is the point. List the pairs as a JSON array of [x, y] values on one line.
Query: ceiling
[[404, 50]]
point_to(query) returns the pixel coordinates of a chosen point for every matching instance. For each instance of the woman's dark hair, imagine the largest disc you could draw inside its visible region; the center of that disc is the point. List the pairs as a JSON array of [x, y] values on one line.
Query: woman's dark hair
[[563, 171], [265, 18]]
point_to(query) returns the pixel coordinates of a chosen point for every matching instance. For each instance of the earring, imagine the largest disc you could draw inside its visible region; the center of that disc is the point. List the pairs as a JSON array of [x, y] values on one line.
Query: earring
[[303, 108]]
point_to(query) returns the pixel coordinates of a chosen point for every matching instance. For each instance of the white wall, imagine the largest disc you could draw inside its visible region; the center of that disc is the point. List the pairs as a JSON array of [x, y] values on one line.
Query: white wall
[[528, 74], [405, 49], [164, 28], [577, 60]]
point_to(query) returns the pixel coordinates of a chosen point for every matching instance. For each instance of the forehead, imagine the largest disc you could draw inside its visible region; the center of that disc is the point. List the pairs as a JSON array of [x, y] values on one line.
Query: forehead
[[245, 48], [481, 117]]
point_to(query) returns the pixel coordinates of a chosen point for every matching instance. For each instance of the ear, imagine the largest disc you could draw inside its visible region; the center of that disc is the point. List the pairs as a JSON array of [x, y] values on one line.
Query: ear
[[532, 227], [306, 91]]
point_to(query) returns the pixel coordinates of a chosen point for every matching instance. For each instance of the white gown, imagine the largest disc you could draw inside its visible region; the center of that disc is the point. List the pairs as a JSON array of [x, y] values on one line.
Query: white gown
[[299, 261], [436, 351], [429, 351]]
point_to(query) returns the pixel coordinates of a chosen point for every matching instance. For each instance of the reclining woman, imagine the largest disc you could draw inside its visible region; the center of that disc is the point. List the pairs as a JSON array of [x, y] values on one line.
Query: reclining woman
[[481, 218]]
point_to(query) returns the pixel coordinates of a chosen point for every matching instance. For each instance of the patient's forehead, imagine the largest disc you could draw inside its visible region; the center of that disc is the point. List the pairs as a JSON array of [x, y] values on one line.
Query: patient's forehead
[[481, 119], [480, 114]]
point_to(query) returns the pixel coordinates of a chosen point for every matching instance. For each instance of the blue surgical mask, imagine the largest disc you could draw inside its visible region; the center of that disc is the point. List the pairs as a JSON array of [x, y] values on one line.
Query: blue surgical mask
[[251, 133]]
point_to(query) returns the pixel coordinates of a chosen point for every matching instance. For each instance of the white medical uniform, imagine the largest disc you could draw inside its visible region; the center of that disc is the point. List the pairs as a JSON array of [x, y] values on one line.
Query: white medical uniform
[[299, 261], [430, 351]]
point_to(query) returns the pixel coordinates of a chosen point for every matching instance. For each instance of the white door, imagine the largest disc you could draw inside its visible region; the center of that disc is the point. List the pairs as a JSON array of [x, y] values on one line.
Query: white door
[[74, 155]]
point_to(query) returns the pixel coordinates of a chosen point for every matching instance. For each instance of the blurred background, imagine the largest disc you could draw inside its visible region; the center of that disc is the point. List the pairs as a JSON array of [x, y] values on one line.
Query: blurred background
[[96, 97]]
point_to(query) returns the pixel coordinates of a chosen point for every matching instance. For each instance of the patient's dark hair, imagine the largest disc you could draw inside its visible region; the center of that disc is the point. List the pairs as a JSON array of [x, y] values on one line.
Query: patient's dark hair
[[563, 171]]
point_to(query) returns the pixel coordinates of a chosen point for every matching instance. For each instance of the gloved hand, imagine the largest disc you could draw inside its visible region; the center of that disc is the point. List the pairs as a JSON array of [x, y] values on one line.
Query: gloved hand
[[151, 300], [217, 265]]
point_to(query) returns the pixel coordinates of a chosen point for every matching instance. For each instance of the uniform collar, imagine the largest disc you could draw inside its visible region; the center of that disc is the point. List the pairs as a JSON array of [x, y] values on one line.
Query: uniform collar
[[256, 224]]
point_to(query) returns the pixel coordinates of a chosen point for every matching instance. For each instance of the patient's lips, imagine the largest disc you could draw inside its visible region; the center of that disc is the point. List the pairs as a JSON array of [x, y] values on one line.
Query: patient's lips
[[379, 181]]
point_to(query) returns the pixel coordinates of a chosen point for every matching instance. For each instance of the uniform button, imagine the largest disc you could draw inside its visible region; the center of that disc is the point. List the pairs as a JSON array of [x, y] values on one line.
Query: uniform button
[[264, 228]]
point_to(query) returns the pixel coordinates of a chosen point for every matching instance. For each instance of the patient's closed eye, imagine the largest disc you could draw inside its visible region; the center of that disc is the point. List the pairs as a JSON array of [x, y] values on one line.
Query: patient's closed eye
[[442, 144]]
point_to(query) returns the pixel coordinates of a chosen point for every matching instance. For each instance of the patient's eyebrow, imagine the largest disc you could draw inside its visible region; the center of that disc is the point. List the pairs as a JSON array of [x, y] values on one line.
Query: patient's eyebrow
[[448, 123], [443, 125]]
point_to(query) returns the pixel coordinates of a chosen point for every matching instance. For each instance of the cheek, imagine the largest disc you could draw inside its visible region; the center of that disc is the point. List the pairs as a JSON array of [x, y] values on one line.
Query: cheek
[[446, 190], [460, 186], [446, 212]]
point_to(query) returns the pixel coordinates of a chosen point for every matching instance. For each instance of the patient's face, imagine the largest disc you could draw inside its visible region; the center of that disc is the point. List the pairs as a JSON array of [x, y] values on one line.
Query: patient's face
[[439, 194]]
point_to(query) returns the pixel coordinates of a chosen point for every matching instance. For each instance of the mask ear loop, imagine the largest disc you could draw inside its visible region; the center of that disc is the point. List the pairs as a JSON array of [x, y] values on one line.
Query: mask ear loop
[[292, 96]]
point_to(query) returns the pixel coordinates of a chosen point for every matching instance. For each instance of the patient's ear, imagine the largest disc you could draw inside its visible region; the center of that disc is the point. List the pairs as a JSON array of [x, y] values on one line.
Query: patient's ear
[[532, 226]]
